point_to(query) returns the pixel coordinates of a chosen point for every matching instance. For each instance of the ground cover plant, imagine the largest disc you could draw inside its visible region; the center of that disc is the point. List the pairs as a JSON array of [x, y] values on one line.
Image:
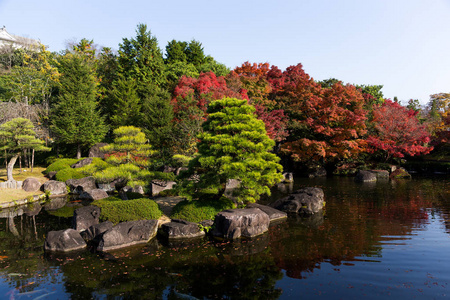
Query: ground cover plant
[[197, 211], [117, 210]]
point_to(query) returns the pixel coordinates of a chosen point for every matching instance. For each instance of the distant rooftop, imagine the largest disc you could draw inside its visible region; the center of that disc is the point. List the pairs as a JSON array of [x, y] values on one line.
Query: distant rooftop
[[15, 40]]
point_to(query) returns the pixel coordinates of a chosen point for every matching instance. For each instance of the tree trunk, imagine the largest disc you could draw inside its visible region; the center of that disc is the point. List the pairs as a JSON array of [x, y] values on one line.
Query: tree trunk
[[78, 151], [32, 160], [10, 166]]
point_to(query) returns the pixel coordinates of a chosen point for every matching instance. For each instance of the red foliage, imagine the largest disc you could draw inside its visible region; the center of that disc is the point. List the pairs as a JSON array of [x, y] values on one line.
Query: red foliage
[[275, 121], [332, 120], [398, 132]]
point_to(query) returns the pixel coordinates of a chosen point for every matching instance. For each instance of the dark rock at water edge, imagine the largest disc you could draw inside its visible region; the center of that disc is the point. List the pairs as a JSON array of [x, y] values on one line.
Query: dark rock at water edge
[[55, 187], [308, 201], [52, 175], [365, 176], [274, 214], [77, 186], [381, 174], [56, 203], [64, 241], [181, 229], [94, 231], [236, 223], [82, 163], [85, 217], [400, 173], [96, 152], [128, 234], [31, 184], [288, 177], [32, 210], [317, 172], [96, 194]]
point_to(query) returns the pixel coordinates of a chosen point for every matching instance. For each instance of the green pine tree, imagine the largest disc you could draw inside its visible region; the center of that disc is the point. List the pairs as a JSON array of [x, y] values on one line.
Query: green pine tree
[[234, 145], [16, 136], [75, 118]]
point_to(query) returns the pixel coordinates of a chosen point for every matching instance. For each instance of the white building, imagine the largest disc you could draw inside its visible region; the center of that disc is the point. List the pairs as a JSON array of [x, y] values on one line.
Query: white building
[[14, 41]]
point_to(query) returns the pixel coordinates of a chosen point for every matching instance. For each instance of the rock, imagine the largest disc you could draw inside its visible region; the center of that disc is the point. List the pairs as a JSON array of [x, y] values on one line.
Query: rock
[[96, 152], [52, 175], [128, 234], [274, 214], [317, 172], [96, 194], [82, 163], [136, 189], [180, 229], [365, 176], [157, 186], [288, 177], [84, 217], [77, 186], [64, 241], [308, 201], [55, 187], [94, 231], [400, 173], [236, 223], [107, 187], [31, 185], [232, 184], [381, 174]]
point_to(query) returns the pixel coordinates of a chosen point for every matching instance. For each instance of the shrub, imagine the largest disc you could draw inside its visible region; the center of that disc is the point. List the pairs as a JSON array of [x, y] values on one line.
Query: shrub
[[68, 173], [61, 164], [115, 210], [97, 165], [199, 210]]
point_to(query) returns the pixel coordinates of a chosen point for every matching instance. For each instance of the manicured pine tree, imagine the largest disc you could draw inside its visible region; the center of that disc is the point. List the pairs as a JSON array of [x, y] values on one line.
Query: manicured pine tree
[[75, 118], [16, 136], [233, 145]]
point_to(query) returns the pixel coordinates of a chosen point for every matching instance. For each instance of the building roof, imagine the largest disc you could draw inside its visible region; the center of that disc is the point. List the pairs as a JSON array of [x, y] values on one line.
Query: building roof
[[16, 41]]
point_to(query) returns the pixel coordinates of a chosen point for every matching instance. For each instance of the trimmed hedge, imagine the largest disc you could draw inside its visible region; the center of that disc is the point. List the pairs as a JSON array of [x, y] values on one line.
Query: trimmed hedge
[[199, 210], [61, 164], [116, 210], [69, 173]]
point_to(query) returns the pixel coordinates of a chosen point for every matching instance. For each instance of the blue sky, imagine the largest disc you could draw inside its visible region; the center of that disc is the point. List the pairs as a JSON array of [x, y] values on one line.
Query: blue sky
[[401, 44]]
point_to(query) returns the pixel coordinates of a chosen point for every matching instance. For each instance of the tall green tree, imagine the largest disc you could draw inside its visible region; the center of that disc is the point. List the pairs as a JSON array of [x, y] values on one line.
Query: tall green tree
[[75, 118], [141, 58], [233, 145], [16, 136], [126, 110]]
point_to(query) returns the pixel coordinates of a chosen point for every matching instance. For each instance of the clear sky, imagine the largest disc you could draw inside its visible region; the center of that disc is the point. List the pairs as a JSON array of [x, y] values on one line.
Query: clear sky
[[400, 44]]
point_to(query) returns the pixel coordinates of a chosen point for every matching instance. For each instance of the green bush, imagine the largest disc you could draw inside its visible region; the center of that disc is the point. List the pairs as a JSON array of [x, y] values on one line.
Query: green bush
[[61, 164], [115, 210], [97, 165], [69, 173], [199, 210]]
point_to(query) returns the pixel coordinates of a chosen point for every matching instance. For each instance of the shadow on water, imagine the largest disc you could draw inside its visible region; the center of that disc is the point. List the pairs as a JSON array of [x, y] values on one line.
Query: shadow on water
[[358, 231]]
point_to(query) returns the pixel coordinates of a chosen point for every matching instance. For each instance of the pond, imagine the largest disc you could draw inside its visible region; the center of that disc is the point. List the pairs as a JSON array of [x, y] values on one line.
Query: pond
[[374, 241]]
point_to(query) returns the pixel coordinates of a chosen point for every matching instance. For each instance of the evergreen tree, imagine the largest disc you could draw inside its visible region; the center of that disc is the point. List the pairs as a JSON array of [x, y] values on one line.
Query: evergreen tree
[[75, 118], [16, 136], [141, 59], [233, 145], [126, 109]]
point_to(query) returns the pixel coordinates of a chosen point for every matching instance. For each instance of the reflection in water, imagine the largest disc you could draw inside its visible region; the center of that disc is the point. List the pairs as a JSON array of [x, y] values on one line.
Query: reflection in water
[[375, 239]]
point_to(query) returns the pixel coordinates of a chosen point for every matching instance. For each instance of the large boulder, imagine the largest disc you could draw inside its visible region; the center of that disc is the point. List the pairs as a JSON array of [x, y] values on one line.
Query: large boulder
[[381, 174], [288, 177], [139, 189], [96, 152], [96, 194], [64, 241], [180, 229], [157, 186], [308, 201], [55, 187], [236, 223], [31, 185], [128, 234], [77, 186], [94, 231], [86, 216], [274, 214], [365, 176], [52, 175], [82, 163]]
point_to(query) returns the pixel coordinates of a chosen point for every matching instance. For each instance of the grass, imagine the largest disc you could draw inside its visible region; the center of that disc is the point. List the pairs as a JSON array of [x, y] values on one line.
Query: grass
[[199, 210], [9, 195]]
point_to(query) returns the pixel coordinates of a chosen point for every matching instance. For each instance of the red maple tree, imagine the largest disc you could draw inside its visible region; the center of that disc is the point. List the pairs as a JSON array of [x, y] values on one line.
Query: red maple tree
[[397, 132]]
